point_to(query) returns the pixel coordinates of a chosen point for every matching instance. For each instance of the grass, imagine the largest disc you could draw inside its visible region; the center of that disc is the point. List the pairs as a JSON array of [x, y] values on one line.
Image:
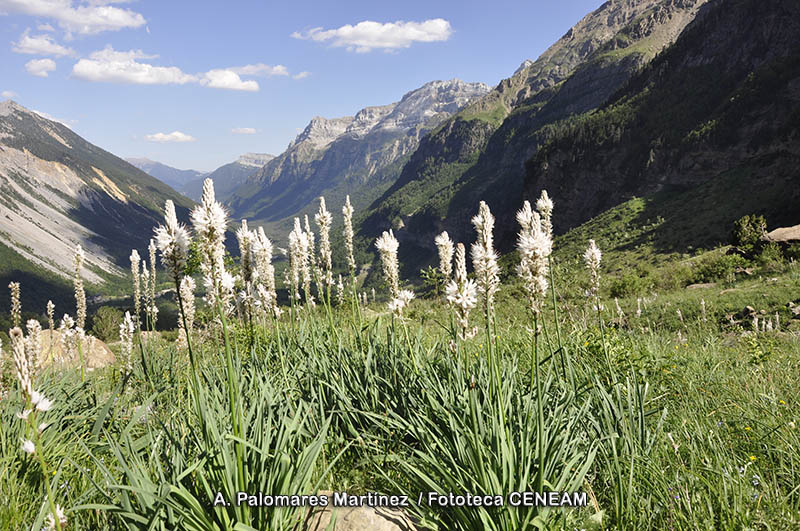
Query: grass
[[662, 419]]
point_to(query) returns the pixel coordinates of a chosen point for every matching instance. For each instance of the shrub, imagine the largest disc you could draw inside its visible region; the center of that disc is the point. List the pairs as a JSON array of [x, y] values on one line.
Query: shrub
[[792, 252], [771, 258], [631, 283], [747, 233], [105, 323], [719, 267], [676, 276]]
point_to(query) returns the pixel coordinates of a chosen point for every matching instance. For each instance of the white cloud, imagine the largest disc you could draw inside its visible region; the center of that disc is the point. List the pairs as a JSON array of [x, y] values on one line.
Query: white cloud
[[40, 67], [260, 69], [367, 35], [83, 19], [227, 79], [9, 94], [175, 136], [302, 75], [243, 131], [112, 66], [45, 27], [40, 45]]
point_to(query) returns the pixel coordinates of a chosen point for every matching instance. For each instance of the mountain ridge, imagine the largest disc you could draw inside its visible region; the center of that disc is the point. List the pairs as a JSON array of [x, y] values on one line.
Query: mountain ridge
[[58, 190], [228, 177], [480, 153], [174, 177], [338, 156]]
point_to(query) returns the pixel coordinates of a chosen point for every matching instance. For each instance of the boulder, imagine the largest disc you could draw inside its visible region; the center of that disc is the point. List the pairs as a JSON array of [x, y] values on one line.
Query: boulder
[[784, 235], [702, 285], [96, 353], [358, 519]]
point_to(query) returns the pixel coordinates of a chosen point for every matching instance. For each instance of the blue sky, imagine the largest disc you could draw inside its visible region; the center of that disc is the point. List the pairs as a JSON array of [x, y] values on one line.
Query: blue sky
[[195, 84]]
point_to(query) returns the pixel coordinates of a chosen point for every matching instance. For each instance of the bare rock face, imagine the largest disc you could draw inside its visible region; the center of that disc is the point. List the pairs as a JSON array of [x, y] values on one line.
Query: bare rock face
[[322, 131], [96, 353], [255, 160]]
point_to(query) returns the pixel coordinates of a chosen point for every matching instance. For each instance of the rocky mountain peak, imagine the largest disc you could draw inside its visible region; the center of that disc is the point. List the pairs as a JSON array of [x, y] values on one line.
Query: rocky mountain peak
[[367, 118], [525, 64], [322, 131], [413, 110], [10, 106], [418, 106]]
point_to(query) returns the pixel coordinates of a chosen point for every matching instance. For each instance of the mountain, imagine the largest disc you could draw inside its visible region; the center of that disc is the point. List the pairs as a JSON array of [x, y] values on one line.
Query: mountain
[[360, 154], [228, 177], [57, 190], [481, 152], [174, 177], [707, 133]]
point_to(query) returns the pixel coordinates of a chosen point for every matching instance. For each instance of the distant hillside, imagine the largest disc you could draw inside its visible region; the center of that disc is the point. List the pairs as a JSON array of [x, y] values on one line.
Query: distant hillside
[[481, 152], [229, 177], [360, 154], [57, 191], [174, 177], [713, 122]]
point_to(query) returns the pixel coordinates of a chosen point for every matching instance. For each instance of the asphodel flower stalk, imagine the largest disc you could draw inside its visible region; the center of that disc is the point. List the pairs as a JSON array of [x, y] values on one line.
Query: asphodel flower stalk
[[16, 307], [312, 271], [248, 274], [347, 211], [445, 247], [35, 403], [387, 246], [172, 240], [153, 309], [187, 297], [210, 222], [592, 258], [484, 258], [323, 219], [298, 247], [51, 309], [245, 238], [80, 294], [33, 346], [21, 361], [261, 255], [545, 207], [80, 302], [339, 290], [462, 294], [148, 303], [60, 516], [126, 330], [68, 336], [300, 257], [534, 246], [137, 292]]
